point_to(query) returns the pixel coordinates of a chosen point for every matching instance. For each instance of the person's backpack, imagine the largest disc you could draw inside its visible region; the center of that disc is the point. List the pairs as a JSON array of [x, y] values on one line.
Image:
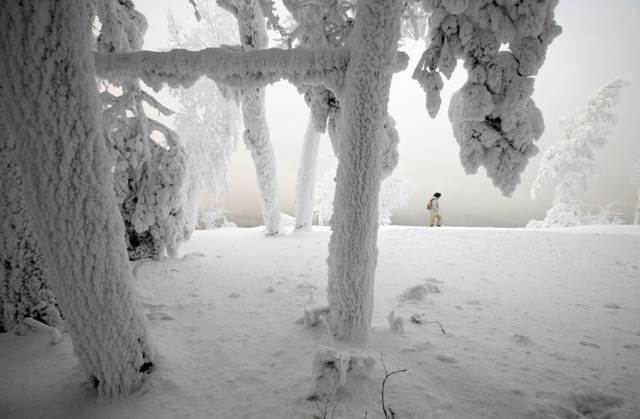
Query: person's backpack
[[429, 206]]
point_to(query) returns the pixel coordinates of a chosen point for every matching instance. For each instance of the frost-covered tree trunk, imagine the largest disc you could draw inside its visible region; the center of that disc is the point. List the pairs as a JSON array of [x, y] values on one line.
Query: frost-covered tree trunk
[[256, 138], [253, 35], [51, 110], [307, 177], [352, 247], [24, 289]]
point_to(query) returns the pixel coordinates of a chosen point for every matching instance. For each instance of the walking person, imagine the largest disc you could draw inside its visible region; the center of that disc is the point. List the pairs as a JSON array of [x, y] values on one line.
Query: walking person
[[434, 210]]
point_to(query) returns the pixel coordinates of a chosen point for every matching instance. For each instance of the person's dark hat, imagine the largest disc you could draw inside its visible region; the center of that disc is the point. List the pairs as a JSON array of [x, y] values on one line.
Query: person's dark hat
[[437, 194]]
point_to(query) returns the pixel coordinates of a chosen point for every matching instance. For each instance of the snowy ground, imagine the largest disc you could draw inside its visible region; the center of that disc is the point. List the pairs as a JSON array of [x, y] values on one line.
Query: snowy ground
[[540, 324]]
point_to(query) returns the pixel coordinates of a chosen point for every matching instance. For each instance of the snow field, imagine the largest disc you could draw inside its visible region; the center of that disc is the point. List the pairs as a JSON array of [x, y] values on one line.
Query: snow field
[[539, 324]]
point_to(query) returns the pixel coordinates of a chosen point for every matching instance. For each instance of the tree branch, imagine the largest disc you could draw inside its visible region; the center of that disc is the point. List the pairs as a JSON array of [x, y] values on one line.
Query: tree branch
[[242, 69]]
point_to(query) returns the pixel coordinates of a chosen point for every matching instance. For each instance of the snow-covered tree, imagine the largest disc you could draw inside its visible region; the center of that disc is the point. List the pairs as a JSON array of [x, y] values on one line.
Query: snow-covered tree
[[208, 119], [318, 25], [253, 35], [503, 45], [50, 109], [154, 187], [566, 166], [24, 291], [362, 133], [636, 212], [394, 194]]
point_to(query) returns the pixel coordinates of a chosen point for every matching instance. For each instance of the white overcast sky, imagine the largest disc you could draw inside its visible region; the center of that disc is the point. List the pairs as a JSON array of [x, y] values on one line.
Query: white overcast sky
[[598, 44]]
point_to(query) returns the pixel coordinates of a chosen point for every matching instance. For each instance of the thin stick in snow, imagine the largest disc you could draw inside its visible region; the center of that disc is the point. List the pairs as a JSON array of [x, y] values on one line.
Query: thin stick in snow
[[391, 414]]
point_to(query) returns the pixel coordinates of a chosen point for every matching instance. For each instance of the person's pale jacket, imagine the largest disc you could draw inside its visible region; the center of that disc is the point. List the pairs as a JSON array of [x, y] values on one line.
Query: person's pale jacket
[[435, 206]]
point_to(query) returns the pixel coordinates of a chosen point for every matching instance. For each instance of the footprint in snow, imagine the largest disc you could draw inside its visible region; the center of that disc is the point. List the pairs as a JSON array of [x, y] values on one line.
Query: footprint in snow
[[446, 359], [521, 340], [270, 290], [612, 306], [589, 344], [158, 315]]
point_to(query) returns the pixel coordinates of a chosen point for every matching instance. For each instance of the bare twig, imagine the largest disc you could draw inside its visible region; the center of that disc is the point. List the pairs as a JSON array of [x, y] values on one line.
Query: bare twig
[[387, 375], [439, 324], [418, 319]]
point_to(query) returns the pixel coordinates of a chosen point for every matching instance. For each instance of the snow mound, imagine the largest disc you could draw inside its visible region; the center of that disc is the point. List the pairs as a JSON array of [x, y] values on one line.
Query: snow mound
[[418, 292], [330, 370], [579, 405]]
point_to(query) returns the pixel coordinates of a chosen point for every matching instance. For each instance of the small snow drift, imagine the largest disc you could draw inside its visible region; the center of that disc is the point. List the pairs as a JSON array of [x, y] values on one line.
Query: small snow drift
[[330, 370], [395, 323], [418, 292], [314, 317]]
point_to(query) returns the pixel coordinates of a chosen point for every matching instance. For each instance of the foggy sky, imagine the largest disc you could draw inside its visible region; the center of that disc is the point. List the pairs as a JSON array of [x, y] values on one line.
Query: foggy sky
[[598, 44]]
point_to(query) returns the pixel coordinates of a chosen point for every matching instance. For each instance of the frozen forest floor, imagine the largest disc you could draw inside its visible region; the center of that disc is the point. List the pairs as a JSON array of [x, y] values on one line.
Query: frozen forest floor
[[539, 324]]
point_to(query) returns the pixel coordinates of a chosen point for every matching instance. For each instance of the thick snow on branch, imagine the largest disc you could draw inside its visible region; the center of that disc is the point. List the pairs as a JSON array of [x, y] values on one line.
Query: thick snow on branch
[[503, 44], [181, 68]]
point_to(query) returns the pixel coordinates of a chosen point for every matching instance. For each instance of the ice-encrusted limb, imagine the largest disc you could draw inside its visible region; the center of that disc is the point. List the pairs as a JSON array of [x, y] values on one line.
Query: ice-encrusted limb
[[230, 66], [50, 108]]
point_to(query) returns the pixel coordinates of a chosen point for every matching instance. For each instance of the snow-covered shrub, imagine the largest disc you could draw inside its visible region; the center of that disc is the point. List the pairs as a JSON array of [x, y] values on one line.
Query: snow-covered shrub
[[209, 218], [394, 194], [24, 289], [576, 213], [154, 188], [566, 165], [503, 44]]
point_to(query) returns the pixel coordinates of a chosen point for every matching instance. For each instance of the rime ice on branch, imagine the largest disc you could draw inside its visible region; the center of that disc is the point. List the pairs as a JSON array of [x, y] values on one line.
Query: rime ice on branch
[[181, 68], [503, 45], [50, 108]]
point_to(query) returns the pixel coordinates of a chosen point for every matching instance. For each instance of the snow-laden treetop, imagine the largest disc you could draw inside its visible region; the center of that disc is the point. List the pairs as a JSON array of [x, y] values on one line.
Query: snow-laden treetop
[[503, 44]]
